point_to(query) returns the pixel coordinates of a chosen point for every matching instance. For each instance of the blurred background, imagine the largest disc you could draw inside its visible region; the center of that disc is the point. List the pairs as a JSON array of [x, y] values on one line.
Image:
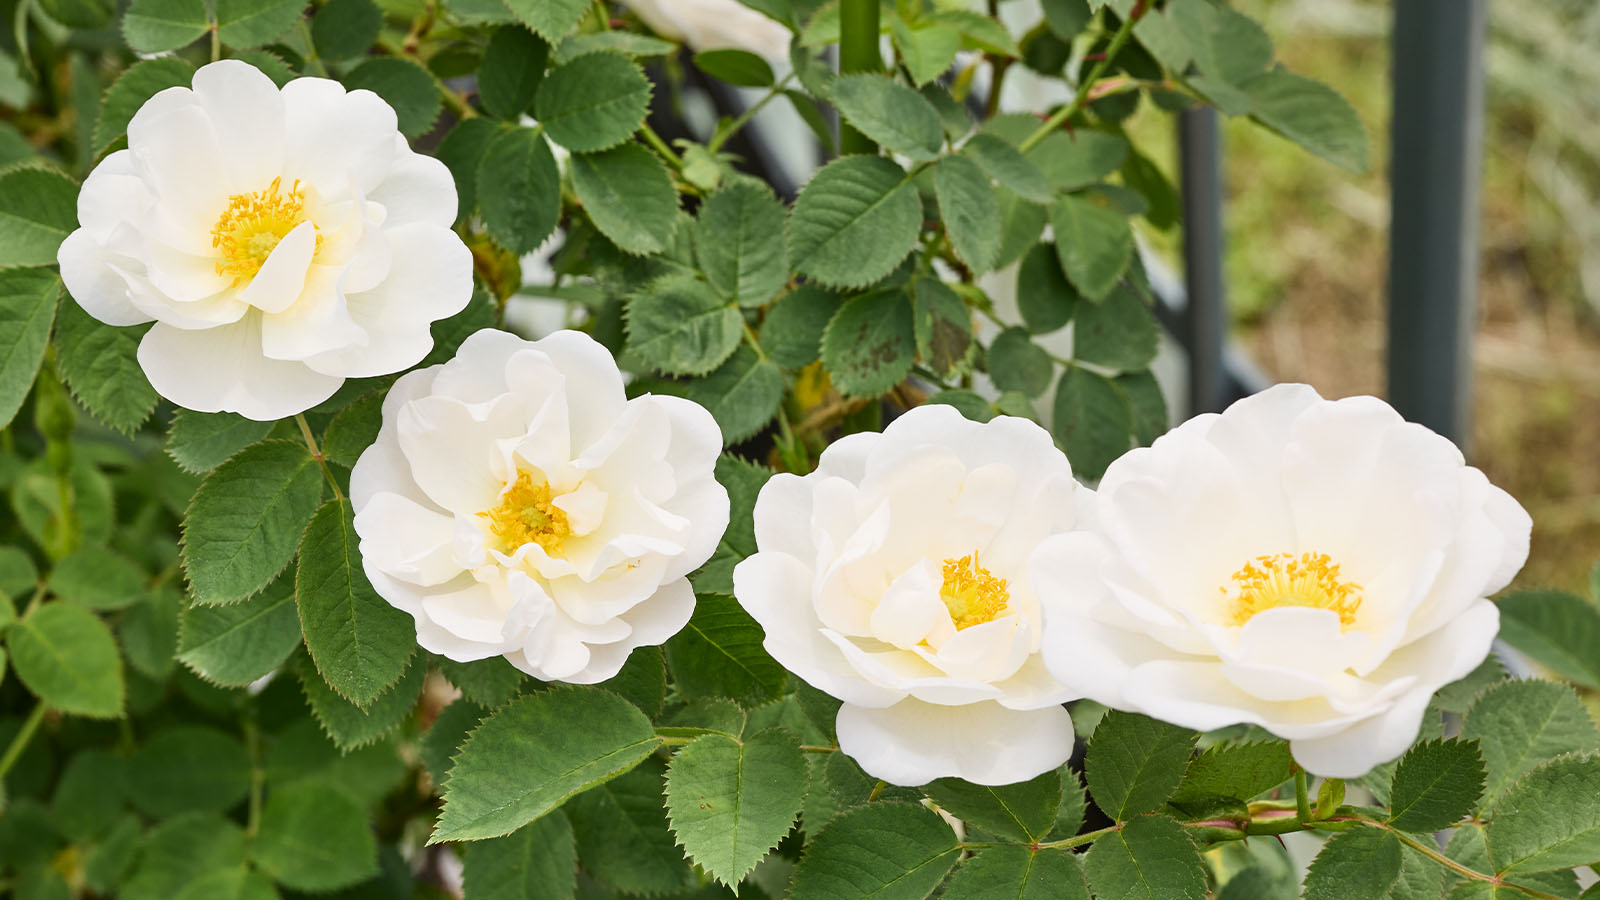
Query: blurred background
[[1307, 249]]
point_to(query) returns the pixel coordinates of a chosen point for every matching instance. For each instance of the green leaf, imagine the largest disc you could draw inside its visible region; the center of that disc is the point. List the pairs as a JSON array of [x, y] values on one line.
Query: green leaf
[[486, 682], [1022, 223], [927, 49], [109, 860], [739, 242], [627, 43], [99, 363], [156, 26], [1005, 164], [1018, 873], [792, 332], [1456, 696], [623, 836], [1225, 44], [889, 113], [737, 67], [550, 19], [743, 481], [629, 196], [251, 23], [354, 429], [1070, 161], [66, 656], [1146, 402], [1520, 724], [1093, 242], [1134, 763], [680, 326], [405, 86], [1067, 18], [594, 102], [980, 31], [1046, 299], [271, 64], [360, 643], [731, 802], [98, 579], [229, 884], [1468, 846], [1312, 115], [180, 850], [1436, 784], [236, 644], [149, 632], [942, 325], [445, 736], [344, 29], [1118, 333], [719, 654], [971, 213], [742, 394], [1023, 812], [18, 575], [1238, 771], [854, 221], [1558, 630], [513, 68], [1549, 819], [1149, 859], [505, 777], [89, 795], [85, 14], [536, 862], [461, 151], [868, 345], [188, 768], [137, 83], [244, 523], [525, 205], [27, 307], [886, 851], [968, 403], [1092, 421], [199, 442], [314, 839], [352, 726], [1361, 864], [1016, 363]]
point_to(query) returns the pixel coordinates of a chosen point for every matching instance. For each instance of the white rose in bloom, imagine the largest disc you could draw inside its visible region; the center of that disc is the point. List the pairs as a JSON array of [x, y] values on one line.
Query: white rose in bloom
[[282, 241], [715, 25], [893, 577], [516, 504], [1317, 568]]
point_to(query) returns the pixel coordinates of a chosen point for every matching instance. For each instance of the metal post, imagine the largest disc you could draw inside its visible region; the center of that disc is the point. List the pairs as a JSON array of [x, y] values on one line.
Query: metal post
[[1433, 238], [1205, 318]]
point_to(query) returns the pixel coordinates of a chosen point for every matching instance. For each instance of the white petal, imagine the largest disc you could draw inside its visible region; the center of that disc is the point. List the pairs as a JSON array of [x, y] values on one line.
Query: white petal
[[449, 450], [174, 147], [476, 614], [910, 607], [417, 189], [100, 291], [183, 277], [222, 369], [406, 539], [112, 195], [283, 276], [334, 138], [246, 110], [1354, 751], [913, 743], [704, 505], [318, 322], [585, 507]]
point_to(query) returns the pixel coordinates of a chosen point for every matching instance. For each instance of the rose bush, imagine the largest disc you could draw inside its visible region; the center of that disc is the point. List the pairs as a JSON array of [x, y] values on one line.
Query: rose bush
[[763, 561], [516, 504]]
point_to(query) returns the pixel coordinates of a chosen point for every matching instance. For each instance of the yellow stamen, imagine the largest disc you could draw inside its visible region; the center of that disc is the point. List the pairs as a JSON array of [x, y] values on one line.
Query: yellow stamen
[[972, 593], [1310, 579], [527, 515], [252, 226]]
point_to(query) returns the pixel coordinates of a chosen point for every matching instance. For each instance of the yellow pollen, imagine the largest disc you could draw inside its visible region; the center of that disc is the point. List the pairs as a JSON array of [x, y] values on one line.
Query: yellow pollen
[[1310, 579], [527, 515], [253, 225], [972, 593]]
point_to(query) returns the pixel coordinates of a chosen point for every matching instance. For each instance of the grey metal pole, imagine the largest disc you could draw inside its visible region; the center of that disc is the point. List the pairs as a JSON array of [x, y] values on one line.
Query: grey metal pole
[[1205, 317], [1434, 181]]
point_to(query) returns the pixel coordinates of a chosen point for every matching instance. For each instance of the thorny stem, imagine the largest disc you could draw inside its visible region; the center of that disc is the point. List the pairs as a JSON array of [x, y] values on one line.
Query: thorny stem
[[1082, 96], [1302, 797], [316, 454], [1464, 871], [661, 147], [23, 736], [744, 118]]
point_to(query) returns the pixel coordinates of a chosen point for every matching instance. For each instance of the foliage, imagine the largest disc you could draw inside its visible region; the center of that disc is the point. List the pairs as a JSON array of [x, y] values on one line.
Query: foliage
[[162, 732]]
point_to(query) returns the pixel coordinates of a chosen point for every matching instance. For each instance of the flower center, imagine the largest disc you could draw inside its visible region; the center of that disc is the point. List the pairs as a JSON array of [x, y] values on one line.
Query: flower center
[[972, 593], [1310, 579], [252, 226], [527, 515]]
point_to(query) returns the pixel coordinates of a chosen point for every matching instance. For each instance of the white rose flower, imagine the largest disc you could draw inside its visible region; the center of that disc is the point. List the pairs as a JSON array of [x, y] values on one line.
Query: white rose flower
[[516, 504], [893, 577], [715, 25], [1317, 568], [282, 241]]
